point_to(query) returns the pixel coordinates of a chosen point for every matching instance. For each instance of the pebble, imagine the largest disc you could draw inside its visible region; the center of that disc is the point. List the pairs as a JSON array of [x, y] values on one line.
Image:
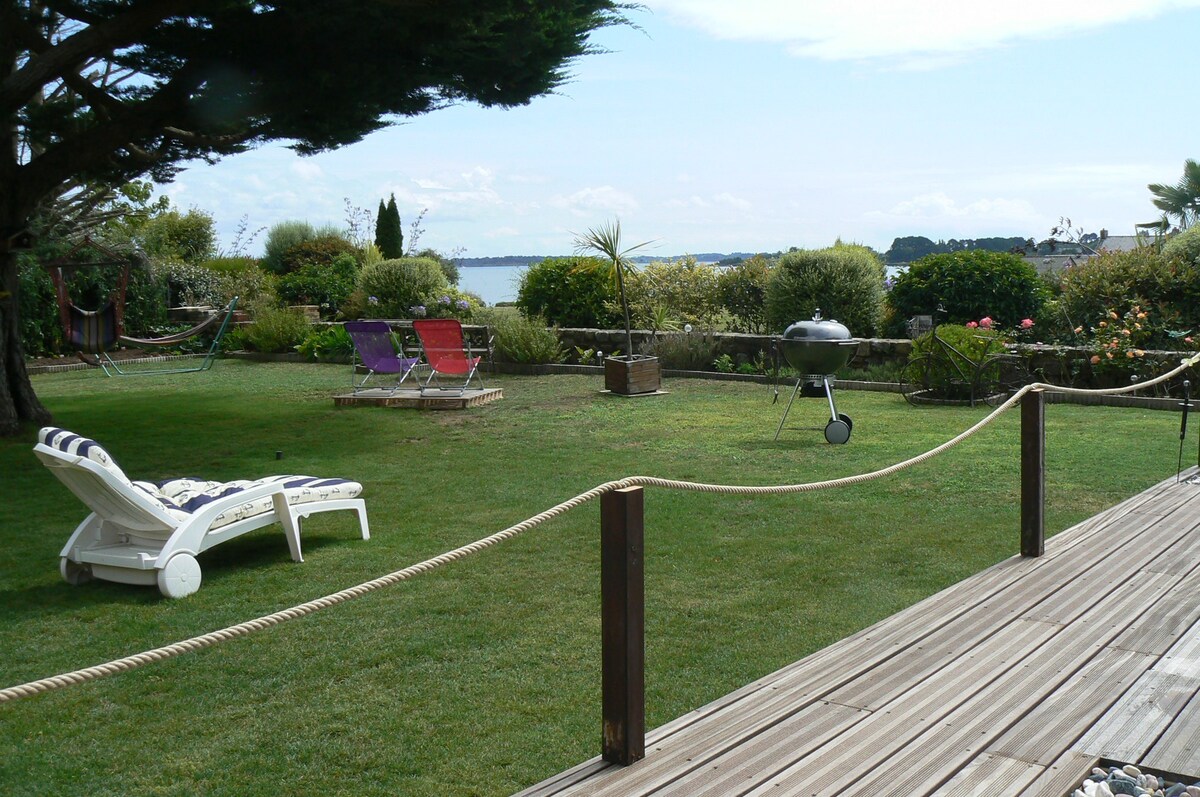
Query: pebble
[[1129, 780]]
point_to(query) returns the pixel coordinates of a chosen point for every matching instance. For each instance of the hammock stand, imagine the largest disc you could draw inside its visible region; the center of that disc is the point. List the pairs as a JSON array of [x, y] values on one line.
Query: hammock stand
[[92, 333], [219, 319]]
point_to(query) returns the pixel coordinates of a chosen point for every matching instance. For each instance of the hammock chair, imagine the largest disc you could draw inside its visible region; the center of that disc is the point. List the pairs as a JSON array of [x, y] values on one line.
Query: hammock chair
[[92, 333]]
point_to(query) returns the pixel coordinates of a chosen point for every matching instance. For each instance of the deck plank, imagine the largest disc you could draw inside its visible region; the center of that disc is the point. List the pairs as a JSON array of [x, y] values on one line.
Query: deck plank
[[1012, 681]]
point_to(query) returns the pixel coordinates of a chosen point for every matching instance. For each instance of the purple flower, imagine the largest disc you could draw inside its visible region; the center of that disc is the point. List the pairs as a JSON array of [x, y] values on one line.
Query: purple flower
[[463, 304], [373, 299], [418, 311], [444, 300]]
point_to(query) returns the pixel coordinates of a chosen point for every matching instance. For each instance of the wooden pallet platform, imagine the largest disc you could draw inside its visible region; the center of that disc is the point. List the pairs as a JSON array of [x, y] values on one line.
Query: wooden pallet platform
[[432, 399], [1016, 681]]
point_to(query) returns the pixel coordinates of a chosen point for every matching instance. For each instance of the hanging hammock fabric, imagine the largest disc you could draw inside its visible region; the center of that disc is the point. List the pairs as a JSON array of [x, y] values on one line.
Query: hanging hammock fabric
[[90, 331], [179, 337]]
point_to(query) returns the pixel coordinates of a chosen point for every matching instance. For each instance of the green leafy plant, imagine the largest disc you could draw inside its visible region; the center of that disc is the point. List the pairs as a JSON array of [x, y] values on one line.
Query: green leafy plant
[[949, 376], [276, 330], [520, 339], [327, 343], [320, 251], [687, 351], [724, 364], [282, 237]]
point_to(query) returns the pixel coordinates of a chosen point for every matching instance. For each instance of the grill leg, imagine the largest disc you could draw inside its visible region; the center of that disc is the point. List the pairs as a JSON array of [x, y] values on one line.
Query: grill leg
[[789, 408], [833, 416]]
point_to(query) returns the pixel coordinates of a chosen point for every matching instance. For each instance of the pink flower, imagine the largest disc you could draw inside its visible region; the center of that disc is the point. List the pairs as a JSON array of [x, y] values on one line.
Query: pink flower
[[971, 325], [986, 322], [1026, 323]]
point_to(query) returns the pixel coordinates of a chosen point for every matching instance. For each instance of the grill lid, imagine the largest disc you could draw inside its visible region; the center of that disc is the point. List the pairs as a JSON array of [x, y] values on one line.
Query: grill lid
[[817, 329], [818, 346]]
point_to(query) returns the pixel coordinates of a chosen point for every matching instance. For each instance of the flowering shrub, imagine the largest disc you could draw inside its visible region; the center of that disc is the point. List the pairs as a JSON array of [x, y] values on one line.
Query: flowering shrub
[[1119, 342]]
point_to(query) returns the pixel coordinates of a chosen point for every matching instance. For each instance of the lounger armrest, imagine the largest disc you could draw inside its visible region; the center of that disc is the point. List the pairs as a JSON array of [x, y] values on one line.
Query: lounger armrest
[[189, 536]]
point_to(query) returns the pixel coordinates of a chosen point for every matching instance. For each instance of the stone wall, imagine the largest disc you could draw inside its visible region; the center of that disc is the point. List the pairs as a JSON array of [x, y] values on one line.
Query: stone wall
[[1062, 365]]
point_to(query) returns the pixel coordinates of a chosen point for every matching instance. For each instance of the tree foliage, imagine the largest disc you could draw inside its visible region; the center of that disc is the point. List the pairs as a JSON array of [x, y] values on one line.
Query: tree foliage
[[102, 92], [845, 281]]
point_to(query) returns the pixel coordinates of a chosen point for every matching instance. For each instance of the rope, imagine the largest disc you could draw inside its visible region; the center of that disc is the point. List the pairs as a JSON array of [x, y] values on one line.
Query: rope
[[267, 621]]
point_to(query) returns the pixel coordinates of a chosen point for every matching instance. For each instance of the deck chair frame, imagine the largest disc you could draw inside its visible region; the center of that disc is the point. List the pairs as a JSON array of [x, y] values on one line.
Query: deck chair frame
[[375, 350], [132, 539], [448, 353]]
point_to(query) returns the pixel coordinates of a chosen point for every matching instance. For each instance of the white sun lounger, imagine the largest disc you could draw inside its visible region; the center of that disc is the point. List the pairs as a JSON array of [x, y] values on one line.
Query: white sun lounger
[[145, 533]]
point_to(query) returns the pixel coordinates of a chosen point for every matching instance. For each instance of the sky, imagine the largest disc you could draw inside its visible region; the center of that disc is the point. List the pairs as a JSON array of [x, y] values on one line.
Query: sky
[[758, 125]]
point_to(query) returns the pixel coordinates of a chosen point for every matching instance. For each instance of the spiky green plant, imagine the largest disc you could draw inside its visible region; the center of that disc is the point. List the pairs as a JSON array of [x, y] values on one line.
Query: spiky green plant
[[605, 241]]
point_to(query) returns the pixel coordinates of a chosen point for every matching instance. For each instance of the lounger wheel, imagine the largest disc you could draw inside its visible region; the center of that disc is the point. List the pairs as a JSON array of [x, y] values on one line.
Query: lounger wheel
[[74, 573], [180, 576], [838, 432]]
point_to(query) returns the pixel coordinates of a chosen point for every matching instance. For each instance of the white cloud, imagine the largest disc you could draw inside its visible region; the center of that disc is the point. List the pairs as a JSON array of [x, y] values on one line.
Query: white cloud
[[502, 232], [595, 201], [429, 185], [306, 170], [850, 29], [941, 207]]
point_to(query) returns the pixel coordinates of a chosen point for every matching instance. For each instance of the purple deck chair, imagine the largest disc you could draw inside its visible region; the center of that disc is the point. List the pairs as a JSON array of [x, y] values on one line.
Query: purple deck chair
[[373, 343]]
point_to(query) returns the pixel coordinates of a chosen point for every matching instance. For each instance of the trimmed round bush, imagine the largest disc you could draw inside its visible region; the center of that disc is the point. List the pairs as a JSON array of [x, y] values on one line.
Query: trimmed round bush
[[404, 287], [569, 292], [845, 281], [1184, 246], [969, 285]]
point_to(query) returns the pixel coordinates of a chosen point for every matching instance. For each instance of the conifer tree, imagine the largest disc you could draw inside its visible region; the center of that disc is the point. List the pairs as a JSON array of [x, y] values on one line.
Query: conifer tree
[[389, 238]]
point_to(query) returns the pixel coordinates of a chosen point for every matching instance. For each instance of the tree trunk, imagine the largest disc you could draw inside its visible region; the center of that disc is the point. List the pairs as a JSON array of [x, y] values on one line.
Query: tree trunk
[[18, 403]]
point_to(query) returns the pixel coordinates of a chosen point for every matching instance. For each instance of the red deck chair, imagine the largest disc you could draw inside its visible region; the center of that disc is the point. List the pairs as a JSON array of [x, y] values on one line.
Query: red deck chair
[[373, 343], [446, 352]]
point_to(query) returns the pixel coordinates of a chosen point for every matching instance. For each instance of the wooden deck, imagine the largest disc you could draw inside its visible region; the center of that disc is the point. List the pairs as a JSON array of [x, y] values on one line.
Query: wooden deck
[[1015, 681], [413, 399]]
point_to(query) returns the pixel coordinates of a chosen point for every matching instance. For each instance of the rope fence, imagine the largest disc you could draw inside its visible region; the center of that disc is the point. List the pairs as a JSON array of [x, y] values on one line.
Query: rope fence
[[197, 643]]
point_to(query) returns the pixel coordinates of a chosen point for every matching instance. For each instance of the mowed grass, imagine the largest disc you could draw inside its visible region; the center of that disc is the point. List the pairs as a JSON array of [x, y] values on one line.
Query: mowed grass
[[482, 677]]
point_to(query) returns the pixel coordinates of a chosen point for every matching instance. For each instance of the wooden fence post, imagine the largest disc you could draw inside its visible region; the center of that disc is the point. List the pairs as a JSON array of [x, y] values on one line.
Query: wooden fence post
[[623, 625], [1033, 473]]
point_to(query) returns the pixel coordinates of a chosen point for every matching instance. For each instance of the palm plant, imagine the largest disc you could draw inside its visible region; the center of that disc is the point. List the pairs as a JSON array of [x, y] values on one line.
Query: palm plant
[[1181, 200], [605, 241]]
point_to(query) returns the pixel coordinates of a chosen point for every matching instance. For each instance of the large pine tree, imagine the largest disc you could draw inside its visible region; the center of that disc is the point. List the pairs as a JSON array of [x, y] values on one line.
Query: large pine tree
[[389, 237], [102, 92]]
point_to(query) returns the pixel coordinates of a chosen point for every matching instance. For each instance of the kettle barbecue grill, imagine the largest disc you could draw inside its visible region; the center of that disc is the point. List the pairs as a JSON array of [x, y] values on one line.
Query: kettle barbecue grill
[[816, 349]]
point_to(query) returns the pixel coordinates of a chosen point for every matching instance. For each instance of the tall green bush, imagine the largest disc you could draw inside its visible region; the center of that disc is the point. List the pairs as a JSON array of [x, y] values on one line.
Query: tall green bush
[[969, 285], [569, 292], [743, 293], [404, 287], [681, 291], [845, 281], [282, 237], [190, 237], [326, 285]]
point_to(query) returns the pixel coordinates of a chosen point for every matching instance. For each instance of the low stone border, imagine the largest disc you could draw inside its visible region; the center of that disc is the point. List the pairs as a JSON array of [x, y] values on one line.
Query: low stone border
[[521, 369]]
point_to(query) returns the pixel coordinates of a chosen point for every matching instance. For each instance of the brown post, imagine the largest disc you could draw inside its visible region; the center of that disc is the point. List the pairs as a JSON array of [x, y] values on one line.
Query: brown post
[[623, 626], [1033, 473]]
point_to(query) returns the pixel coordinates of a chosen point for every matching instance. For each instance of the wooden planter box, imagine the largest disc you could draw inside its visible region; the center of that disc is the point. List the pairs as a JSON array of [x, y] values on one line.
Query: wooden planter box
[[630, 377]]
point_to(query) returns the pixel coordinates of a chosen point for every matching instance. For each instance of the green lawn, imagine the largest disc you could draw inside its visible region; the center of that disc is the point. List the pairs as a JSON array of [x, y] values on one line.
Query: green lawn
[[483, 677]]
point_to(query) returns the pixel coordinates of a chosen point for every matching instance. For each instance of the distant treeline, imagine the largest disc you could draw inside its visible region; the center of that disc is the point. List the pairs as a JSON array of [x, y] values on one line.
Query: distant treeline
[[903, 250], [914, 247]]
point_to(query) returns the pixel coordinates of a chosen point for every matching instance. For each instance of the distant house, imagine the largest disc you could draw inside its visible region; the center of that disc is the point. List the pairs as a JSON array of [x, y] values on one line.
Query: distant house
[[1058, 255]]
